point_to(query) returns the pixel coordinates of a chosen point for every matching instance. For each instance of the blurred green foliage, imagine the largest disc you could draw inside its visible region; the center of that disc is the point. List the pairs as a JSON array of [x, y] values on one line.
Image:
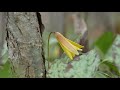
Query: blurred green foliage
[[105, 42], [109, 68], [111, 60], [54, 48], [5, 71], [89, 65]]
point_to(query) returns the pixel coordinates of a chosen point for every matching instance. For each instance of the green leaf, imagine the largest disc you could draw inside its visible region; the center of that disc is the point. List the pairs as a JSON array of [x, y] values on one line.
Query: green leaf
[[100, 74], [5, 71], [112, 67], [105, 41]]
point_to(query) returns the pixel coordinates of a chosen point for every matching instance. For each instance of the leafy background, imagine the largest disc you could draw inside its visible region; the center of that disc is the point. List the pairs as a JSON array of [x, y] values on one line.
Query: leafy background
[[89, 65]]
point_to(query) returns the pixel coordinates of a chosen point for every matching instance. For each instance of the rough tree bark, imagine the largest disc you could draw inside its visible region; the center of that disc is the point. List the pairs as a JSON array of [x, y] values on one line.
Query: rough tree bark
[[25, 45]]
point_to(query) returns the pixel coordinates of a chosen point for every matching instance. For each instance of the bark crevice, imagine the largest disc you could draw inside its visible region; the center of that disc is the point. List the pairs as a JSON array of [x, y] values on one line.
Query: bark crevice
[[41, 26]]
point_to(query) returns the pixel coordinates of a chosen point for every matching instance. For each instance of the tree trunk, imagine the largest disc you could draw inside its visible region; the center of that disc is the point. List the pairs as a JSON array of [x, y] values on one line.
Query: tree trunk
[[24, 38]]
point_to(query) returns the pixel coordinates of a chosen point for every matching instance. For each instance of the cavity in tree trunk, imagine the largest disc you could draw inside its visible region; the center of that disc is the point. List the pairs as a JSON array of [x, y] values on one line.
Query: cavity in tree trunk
[[25, 45]]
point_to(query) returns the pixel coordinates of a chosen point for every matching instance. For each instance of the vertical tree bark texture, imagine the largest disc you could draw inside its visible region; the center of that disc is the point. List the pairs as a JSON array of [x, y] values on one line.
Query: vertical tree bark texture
[[2, 33], [25, 44]]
